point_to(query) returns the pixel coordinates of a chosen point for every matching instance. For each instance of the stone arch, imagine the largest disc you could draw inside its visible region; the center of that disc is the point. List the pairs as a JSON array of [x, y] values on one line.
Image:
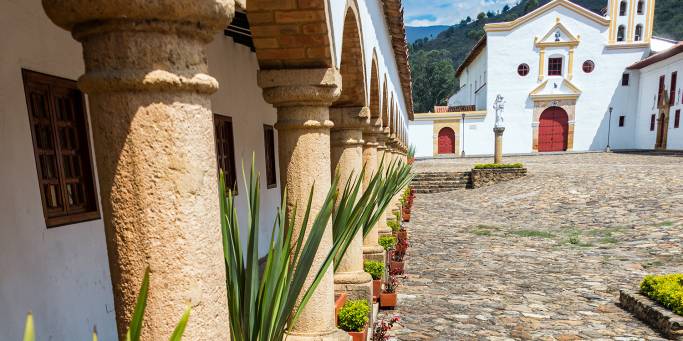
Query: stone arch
[[352, 66], [385, 104], [293, 34], [374, 88]]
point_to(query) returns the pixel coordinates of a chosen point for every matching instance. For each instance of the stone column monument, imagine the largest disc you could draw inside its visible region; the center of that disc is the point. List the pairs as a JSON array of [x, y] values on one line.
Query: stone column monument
[[498, 129]]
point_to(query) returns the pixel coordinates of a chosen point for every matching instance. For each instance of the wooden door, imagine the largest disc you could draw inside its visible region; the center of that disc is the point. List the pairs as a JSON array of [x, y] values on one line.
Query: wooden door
[[553, 130], [446, 141]]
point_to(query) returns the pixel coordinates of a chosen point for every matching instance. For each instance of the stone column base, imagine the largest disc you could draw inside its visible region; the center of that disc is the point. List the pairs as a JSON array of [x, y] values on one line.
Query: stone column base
[[357, 286], [373, 253], [333, 335]]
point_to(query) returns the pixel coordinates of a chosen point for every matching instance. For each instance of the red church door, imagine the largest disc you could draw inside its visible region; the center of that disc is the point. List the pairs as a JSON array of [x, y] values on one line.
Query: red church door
[[553, 130], [446, 141]]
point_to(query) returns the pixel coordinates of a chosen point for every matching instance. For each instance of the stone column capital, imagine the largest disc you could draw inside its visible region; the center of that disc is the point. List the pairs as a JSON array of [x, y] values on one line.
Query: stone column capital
[[300, 87], [344, 118], [144, 57]]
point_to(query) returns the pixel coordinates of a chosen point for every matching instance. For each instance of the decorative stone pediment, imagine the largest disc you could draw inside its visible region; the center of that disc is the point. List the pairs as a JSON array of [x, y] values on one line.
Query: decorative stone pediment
[[555, 89], [558, 35]]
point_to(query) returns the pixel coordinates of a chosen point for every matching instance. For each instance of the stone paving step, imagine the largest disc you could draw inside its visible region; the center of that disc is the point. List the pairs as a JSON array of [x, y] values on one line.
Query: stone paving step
[[437, 182]]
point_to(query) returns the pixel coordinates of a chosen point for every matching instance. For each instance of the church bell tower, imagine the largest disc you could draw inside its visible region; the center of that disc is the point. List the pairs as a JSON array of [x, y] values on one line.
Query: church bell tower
[[631, 22]]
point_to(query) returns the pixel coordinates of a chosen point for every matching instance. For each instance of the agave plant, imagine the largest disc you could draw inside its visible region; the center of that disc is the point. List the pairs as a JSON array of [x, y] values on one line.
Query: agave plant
[[135, 326], [264, 305]]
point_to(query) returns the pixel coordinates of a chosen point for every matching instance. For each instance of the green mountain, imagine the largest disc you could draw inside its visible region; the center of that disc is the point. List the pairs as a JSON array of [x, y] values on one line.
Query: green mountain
[[454, 43], [414, 33]]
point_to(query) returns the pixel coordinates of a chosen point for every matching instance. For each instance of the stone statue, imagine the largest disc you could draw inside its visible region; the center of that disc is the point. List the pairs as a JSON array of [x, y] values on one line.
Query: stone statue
[[498, 106]]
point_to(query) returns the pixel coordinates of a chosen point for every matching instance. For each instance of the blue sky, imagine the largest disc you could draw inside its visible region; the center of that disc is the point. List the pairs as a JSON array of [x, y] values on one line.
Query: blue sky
[[447, 12]]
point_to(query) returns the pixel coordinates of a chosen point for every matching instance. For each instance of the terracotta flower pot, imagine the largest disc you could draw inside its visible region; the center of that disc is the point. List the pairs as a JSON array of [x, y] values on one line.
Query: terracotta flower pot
[[401, 247], [387, 300], [339, 303], [402, 234], [359, 336], [376, 289], [397, 267], [406, 216]]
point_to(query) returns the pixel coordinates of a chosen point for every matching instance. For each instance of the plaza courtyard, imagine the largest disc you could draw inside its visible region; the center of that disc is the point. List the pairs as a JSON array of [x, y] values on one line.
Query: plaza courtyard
[[542, 257]]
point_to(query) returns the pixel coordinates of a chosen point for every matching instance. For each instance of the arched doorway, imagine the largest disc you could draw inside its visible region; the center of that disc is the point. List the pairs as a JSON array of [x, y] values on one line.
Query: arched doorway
[[553, 130], [446, 141]]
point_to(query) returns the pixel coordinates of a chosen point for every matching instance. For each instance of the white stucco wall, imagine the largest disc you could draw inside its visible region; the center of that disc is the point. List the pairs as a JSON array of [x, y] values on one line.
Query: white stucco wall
[[421, 135], [60, 274], [473, 84], [239, 96], [649, 85], [600, 89]]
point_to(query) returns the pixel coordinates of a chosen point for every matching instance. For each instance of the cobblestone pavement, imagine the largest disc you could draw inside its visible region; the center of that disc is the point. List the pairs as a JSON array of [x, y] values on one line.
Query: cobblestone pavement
[[542, 257]]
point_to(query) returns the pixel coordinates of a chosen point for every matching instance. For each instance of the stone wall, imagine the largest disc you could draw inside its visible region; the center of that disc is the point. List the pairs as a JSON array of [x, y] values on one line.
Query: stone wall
[[660, 318], [486, 177]]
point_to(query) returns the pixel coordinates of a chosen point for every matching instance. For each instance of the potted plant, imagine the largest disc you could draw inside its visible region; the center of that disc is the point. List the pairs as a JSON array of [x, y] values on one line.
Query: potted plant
[[394, 225], [401, 245], [353, 318], [376, 270], [379, 331], [388, 297], [387, 242], [396, 264], [339, 301]]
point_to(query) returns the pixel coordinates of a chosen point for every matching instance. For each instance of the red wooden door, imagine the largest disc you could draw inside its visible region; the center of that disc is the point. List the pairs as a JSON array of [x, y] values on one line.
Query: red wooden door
[[446, 141], [553, 130]]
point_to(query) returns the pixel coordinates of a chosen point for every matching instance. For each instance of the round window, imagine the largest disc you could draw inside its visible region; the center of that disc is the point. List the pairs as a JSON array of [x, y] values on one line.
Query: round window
[[588, 66], [523, 69]]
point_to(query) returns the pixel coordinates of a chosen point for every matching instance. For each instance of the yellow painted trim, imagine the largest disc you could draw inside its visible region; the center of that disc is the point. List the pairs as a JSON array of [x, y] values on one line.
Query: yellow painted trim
[[631, 18], [570, 66], [558, 44], [634, 45], [572, 86], [541, 64], [507, 26], [538, 88], [564, 30], [613, 22], [449, 115], [538, 98], [649, 21]]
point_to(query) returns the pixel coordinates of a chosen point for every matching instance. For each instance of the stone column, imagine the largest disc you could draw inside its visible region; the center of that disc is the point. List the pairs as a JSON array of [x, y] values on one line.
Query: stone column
[[498, 152], [371, 249], [383, 151], [148, 90], [347, 160], [303, 98]]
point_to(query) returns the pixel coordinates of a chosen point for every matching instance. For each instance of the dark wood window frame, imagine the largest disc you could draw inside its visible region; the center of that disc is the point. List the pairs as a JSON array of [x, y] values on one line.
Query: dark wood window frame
[[625, 79], [653, 118], [677, 119], [555, 65], [61, 147], [622, 120], [672, 89], [523, 69], [660, 89], [225, 150], [588, 66], [270, 154]]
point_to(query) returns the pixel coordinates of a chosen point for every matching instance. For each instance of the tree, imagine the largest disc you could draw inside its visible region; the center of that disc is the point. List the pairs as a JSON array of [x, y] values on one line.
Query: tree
[[490, 14], [433, 78], [530, 6], [468, 19], [481, 16], [506, 8]]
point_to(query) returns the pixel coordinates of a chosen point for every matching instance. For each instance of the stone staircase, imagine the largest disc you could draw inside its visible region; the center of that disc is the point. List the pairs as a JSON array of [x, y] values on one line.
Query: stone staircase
[[437, 182]]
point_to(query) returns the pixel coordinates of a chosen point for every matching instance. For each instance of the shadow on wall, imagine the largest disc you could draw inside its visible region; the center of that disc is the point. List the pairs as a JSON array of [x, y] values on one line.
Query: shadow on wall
[[600, 138]]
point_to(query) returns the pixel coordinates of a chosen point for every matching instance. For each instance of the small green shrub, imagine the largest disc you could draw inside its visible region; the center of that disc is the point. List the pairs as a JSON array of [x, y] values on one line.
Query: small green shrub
[[497, 165], [394, 225], [354, 316], [533, 234], [665, 289], [387, 242], [374, 268]]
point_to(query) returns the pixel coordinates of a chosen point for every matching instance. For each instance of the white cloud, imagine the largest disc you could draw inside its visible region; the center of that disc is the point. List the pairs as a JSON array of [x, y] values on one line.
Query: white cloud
[[448, 12]]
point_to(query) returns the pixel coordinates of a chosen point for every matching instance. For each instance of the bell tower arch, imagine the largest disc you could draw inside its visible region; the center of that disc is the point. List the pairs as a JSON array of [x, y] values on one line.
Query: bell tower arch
[[636, 16]]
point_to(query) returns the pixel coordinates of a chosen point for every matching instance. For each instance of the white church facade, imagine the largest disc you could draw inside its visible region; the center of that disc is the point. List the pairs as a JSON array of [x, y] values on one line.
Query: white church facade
[[572, 80]]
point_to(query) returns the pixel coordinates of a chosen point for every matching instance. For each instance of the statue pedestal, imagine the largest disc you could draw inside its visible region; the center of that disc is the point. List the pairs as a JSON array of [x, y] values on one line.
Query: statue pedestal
[[498, 152]]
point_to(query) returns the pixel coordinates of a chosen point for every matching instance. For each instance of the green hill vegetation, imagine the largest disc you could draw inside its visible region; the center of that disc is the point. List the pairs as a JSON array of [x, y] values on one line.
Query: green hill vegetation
[[429, 58]]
